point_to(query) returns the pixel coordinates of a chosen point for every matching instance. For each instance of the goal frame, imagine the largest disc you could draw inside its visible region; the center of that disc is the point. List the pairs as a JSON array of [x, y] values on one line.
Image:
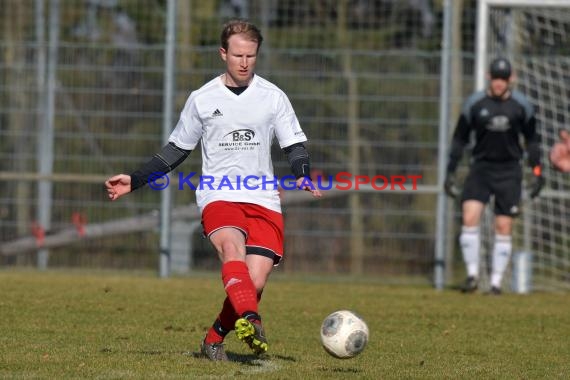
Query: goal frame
[[482, 29], [483, 46]]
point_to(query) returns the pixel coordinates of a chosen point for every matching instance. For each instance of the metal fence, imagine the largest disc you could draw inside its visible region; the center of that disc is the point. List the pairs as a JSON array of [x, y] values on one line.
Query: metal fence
[[82, 93]]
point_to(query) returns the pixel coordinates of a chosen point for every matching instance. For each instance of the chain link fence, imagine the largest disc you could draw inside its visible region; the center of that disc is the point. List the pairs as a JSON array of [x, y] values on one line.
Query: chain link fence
[[81, 98]]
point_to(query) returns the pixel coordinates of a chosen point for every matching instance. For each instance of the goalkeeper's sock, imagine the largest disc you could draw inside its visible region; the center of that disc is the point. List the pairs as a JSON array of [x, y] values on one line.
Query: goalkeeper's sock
[[239, 287], [470, 243], [501, 256]]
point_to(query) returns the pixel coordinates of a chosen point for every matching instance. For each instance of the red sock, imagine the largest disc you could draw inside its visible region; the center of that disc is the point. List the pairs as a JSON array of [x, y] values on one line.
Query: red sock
[[223, 324], [239, 287], [213, 335], [228, 316]]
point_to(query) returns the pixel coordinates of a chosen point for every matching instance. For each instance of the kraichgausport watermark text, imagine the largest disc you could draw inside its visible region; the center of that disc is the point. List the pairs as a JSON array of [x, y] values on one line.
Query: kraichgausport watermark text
[[340, 181]]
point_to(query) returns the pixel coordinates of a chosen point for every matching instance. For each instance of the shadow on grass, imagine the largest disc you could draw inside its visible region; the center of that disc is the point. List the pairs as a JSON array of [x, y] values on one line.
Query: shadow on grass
[[246, 359]]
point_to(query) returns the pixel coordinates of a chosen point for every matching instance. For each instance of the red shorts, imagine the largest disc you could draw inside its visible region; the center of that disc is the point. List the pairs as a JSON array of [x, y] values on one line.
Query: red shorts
[[263, 228]]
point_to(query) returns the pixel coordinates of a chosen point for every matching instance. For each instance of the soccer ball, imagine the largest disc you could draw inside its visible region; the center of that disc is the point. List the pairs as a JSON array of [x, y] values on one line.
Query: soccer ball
[[344, 334]]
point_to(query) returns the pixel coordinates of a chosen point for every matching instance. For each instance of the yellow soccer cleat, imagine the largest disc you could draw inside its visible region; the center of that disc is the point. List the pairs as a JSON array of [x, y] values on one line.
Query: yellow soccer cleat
[[251, 334]]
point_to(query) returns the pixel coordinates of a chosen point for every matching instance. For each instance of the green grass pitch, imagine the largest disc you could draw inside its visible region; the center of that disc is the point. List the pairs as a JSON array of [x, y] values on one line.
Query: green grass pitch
[[75, 325]]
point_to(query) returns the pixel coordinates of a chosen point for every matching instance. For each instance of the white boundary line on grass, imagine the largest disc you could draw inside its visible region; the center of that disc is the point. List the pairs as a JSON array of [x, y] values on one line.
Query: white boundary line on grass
[[258, 366]]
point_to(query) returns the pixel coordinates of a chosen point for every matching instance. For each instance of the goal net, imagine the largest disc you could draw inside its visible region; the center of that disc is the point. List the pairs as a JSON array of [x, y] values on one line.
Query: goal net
[[535, 36]]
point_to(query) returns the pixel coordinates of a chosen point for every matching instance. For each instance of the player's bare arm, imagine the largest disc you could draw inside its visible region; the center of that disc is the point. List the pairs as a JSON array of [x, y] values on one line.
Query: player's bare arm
[[117, 186], [560, 152]]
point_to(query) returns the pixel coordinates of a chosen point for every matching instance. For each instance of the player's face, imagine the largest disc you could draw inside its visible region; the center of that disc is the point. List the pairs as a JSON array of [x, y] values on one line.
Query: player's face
[[240, 58], [499, 87]]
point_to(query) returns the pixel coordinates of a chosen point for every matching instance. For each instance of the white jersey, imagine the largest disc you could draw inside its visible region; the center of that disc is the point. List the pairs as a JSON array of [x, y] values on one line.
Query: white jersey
[[236, 133]]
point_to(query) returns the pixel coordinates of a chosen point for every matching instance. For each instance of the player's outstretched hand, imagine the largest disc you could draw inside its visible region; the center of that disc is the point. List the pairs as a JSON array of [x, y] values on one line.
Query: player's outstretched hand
[[117, 186], [304, 183], [560, 152]]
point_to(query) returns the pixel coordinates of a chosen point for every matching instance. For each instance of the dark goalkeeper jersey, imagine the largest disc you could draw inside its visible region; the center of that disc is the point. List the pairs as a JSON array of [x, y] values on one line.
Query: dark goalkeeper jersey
[[497, 125]]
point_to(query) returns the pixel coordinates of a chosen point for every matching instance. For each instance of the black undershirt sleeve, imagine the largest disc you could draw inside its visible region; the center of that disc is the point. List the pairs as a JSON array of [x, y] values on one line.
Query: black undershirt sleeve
[[299, 160], [161, 163], [532, 142], [460, 139]]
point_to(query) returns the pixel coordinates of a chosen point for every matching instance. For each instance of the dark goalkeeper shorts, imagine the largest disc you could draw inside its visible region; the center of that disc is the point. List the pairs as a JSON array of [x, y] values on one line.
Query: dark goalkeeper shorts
[[503, 180]]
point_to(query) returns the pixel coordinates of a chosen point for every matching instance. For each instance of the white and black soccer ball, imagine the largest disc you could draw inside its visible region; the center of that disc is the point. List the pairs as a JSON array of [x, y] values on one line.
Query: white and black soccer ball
[[344, 334]]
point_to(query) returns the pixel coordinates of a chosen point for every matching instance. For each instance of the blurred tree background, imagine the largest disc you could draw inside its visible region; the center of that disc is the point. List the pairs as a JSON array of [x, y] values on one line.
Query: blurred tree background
[[363, 77]]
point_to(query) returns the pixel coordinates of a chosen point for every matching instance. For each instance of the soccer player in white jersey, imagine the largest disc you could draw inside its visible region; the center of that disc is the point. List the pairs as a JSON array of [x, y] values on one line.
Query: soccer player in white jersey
[[235, 117]]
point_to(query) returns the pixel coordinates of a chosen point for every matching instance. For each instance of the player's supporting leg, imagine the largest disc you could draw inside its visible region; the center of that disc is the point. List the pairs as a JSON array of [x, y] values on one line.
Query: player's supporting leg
[[470, 243], [501, 256], [212, 345], [223, 324], [214, 351]]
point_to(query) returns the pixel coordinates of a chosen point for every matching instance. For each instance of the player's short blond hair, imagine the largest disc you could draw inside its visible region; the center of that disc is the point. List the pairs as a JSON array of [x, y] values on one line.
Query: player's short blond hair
[[239, 26]]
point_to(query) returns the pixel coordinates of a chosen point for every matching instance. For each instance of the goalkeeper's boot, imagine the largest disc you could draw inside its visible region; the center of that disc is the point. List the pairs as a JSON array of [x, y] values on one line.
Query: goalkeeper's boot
[[471, 285], [252, 334], [214, 351], [495, 291]]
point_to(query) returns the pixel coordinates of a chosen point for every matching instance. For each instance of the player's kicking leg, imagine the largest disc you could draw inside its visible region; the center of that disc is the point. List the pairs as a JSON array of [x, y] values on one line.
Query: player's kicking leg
[[248, 327], [250, 331]]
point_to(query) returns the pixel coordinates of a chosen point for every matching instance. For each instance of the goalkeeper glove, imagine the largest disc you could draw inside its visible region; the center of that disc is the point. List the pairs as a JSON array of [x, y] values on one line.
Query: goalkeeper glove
[[537, 182], [450, 185]]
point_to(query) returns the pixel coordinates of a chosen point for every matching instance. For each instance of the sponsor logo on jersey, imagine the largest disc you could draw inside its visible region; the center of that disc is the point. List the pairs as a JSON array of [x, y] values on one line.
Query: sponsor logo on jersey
[[498, 124], [217, 113], [239, 140], [240, 135]]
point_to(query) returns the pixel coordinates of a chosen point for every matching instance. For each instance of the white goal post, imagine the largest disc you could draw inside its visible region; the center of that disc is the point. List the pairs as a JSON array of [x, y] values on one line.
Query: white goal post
[[535, 36], [483, 10]]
